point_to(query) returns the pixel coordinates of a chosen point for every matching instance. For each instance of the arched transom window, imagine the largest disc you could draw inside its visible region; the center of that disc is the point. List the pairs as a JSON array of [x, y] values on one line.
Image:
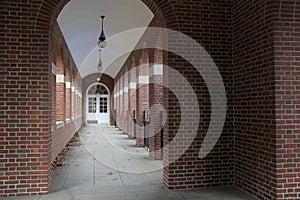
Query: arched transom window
[[97, 89]]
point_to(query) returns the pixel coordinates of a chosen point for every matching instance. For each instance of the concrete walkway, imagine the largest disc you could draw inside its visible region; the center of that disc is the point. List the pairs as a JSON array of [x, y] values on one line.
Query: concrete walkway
[[108, 166]]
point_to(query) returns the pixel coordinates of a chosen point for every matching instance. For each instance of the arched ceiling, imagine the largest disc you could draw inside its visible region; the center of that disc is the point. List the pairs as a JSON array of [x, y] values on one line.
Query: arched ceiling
[[80, 24]]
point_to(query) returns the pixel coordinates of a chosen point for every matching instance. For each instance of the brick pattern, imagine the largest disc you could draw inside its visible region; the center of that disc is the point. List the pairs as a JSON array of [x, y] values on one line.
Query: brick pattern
[[68, 90], [156, 102], [255, 46], [254, 98], [66, 94], [132, 98], [24, 100], [190, 171], [125, 101], [117, 90], [60, 83], [142, 95], [210, 25], [27, 98], [287, 47], [121, 103]]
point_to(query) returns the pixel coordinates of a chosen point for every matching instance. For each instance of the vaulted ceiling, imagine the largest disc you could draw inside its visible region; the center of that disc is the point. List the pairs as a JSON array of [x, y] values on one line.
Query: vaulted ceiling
[[80, 23]]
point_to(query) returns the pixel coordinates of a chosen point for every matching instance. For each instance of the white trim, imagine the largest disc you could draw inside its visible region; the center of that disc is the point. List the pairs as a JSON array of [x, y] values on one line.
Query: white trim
[[68, 121], [60, 78], [115, 96], [156, 69], [132, 85], [125, 89], [68, 85], [76, 92], [53, 69], [87, 90], [121, 92], [118, 94], [73, 89], [59, 124], [143, 79]]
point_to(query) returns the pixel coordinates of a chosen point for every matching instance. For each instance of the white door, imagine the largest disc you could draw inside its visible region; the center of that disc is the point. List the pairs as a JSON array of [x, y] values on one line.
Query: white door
[[102, 112], [97, 104]]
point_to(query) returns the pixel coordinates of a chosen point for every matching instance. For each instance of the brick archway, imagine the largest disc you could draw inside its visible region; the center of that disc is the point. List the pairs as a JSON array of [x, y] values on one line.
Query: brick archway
[[49, 10], [45, 23]]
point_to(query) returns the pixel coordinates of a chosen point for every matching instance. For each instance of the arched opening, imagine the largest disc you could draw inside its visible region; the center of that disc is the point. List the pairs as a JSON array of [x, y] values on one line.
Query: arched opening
[[255, 53], [98, 104], [46, 18], [60, 86]]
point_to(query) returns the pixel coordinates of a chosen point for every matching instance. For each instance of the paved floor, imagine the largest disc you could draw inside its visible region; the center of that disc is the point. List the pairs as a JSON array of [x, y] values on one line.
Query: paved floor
[[108, 166]]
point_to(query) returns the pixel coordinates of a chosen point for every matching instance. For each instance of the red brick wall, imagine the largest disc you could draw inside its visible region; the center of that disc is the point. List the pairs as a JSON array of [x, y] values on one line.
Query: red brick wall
[[60, 91], [254, 98], [258, 149], [142, 95], [25, 132], [65, 100], [190, 171], [209, 24], [68, 90], [125, 101], [121, 103], [117, 92], [65, 66], [132, 97], [156, 101], [27, 99], [287, 75]]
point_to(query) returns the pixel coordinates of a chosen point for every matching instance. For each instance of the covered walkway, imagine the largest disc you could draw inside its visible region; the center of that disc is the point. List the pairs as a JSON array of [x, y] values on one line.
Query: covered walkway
[[108, 166]]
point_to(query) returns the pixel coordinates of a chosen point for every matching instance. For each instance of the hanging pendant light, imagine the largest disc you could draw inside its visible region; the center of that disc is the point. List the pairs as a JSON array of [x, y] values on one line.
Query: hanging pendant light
[[101, 42], [100, 68]]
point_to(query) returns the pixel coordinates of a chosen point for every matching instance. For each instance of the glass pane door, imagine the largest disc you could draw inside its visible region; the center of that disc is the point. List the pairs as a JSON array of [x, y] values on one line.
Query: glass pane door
[[92, 105], [103, 105]]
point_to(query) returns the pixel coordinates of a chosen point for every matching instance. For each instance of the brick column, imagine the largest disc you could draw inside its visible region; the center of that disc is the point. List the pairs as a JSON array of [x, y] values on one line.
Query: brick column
[[142, 96], [60, 88], [121, 103], [125, 102], [73, 100], [80, 99], [115, 107], [156, 103], [132, 99], [118, 103], [76, 100], [68, 93], [287, 102], [60, 100]]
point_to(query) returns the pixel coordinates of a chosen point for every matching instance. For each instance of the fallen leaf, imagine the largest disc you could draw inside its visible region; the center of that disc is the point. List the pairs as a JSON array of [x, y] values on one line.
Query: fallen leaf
[[109, 173]]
